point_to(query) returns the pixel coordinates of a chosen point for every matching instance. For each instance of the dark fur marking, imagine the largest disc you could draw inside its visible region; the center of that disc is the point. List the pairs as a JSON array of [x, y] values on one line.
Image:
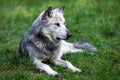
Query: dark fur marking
[[49, 45]]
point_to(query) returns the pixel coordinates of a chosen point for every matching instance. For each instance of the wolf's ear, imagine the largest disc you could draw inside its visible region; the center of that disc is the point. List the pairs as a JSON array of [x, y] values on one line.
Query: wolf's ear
[[47, 14], [61, 9]]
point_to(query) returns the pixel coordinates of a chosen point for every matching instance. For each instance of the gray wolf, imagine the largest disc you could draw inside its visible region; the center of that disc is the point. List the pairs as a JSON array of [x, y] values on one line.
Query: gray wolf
[[45, 40]]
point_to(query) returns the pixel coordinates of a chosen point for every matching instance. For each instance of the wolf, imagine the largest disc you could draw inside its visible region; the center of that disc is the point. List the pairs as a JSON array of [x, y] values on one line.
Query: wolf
[[45, 40]]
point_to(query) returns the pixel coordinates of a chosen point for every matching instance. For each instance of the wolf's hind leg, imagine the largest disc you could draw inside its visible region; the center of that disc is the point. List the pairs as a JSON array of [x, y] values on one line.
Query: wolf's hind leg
[[69, 48], [85, 46], [45, 67], [77, 47]]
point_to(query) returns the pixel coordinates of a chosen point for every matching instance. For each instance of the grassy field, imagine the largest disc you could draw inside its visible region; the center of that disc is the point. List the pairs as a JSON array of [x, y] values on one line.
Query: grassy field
[[94, 21]]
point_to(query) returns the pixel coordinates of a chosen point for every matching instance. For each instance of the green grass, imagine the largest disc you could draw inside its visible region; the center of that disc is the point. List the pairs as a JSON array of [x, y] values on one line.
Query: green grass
[[94, 21]]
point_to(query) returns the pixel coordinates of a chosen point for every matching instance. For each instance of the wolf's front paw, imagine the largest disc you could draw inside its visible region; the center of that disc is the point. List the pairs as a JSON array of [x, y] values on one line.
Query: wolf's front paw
[[76, 69], [53, 73]]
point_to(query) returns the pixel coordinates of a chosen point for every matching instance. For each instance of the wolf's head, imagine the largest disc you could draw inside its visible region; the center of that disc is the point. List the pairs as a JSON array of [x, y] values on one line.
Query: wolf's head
[[54, 24]]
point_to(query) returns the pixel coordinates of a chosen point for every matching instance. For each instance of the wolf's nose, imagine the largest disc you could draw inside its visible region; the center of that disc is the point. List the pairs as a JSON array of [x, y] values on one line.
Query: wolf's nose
[[68, 34]]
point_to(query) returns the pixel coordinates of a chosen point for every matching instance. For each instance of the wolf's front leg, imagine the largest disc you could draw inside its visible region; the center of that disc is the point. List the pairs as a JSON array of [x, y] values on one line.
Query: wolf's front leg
[[66, 64], [45, 67]]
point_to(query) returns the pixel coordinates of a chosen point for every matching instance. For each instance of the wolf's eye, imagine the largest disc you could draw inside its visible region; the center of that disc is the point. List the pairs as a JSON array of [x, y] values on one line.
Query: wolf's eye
[[57, 24]]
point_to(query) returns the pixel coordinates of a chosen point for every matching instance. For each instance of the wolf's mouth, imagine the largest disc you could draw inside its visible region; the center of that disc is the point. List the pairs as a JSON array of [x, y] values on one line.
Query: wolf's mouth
[[58, 38]]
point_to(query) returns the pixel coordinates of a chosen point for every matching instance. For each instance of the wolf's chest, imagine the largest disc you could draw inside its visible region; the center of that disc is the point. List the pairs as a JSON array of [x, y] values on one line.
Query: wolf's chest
[[50, 49]]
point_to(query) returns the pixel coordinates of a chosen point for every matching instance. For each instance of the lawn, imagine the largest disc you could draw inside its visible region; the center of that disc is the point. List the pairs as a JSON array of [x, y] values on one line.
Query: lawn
[[93, 21]]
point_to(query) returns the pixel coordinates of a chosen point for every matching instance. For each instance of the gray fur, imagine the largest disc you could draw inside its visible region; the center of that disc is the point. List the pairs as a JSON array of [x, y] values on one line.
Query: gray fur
[[34, 35], [38, 41]]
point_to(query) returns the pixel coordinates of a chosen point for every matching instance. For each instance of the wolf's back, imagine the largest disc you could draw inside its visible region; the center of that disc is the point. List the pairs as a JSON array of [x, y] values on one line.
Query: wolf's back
[[22, 48]]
